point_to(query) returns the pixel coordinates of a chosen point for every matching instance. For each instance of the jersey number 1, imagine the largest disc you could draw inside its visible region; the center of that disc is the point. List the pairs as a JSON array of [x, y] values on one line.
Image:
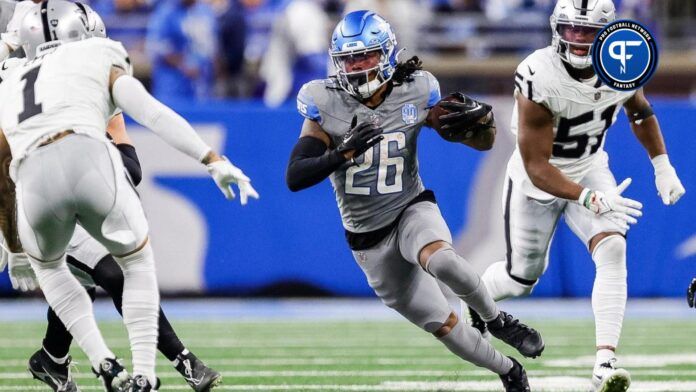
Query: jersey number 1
[[31, 108]]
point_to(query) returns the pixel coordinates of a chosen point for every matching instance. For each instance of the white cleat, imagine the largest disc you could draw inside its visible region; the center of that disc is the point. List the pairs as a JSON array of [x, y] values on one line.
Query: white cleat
[[606, 377]]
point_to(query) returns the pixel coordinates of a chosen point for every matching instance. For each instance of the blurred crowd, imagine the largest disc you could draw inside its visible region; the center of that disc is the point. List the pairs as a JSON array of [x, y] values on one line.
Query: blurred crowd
[[267, 49]]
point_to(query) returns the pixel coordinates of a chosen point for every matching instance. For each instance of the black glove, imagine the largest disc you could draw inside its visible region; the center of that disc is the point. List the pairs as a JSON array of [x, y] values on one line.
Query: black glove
[[360, 137], [463, 114], [690, 293]]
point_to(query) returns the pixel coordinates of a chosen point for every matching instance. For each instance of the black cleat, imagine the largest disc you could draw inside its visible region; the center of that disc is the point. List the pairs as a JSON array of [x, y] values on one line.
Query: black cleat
[[57, 376], [516, 379], [140, 383], [511, 331], [478, 323], [200, 377], [114, 377]]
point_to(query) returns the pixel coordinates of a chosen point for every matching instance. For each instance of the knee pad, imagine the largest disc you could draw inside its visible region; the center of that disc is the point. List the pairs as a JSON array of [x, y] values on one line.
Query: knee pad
[[502, 285], [446, 265], [140, 261], [609, 256], [611, 249]]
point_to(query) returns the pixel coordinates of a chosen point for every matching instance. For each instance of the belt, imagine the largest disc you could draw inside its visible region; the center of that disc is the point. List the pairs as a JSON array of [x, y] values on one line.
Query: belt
[[55, 137]]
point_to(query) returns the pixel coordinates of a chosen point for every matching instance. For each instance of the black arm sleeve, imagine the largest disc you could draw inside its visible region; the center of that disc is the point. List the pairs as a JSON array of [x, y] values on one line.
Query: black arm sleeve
[[309, 165], [131, 162]]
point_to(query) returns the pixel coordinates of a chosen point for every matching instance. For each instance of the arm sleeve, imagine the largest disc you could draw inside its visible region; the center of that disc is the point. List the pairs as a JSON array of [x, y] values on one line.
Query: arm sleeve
[[130, 95], [131, 162], [309, 164]]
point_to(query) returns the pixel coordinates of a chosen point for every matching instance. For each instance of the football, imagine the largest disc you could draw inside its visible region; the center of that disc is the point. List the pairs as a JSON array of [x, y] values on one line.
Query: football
[[437, 111]]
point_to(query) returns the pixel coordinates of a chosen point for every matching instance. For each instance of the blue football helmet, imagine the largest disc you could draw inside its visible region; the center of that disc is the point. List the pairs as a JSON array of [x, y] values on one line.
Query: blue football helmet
[[357, 36]]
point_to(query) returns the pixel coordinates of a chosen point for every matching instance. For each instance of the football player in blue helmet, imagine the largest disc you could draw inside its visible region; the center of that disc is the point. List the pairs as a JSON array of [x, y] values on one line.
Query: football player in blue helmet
[[364, 52], [360, 129]]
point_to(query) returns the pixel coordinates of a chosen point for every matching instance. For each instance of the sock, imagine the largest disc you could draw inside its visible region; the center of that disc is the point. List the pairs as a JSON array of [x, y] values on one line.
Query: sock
[[109, 276], [140, 309], [57, 340], [71, 303], [56, 343], [58, 360], [168, 342], [447, 266], [603, 356], [501, 285], [467, 343], [609, 291]]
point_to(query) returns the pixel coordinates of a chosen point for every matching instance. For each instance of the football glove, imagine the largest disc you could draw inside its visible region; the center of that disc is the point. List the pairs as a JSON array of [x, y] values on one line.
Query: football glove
[[360, 137], [690, 293], [22, 275], [669, 188], [463, 114], [225, 174], [620, 210]]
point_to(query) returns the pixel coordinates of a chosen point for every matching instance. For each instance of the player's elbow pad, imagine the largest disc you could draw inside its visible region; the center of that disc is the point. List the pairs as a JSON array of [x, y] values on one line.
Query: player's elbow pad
[[130, 95]]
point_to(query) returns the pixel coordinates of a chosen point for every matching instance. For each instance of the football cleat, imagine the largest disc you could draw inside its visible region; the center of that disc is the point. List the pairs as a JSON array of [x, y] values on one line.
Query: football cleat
[[114, 377], [57, 376], [511, 331], [477, 322], [606, 377], [200, 377], [140, 383], [516, 379]]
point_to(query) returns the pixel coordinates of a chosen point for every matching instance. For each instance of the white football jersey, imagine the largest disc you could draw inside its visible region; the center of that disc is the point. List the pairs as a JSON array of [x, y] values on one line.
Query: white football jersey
[[582, 113], [11, 36], [66, 89]]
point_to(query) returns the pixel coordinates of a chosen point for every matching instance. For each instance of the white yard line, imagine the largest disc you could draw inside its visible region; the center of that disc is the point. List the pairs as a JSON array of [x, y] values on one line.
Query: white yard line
[[585, 373], [550, 384]]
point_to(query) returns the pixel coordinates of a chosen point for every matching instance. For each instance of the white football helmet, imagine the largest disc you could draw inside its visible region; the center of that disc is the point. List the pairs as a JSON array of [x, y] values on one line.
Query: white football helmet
[[49, 24], [588, 15]]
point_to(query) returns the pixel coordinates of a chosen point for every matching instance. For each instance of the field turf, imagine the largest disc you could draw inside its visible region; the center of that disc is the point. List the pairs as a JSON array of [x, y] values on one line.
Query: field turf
[[375, 355]]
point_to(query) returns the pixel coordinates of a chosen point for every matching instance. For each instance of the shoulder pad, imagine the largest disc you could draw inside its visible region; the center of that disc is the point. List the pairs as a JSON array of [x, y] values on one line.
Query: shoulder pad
[[534, 75], [306, 104], [434, 94]]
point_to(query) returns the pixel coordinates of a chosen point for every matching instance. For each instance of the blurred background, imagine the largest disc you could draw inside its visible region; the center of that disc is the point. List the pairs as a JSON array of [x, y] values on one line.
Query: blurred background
[[233, 68]]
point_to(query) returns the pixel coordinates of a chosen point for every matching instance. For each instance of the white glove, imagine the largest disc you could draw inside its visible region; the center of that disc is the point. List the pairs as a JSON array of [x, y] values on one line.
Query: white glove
[[611, 205], [21, 275], [225, 174], [669, 188]]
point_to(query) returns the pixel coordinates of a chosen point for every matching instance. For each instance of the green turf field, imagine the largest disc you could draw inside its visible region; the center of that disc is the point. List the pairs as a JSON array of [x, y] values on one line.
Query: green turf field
[[376, 356]]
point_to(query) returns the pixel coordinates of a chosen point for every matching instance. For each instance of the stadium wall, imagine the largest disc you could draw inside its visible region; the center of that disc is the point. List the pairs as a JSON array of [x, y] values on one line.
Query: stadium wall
[[292, 243]]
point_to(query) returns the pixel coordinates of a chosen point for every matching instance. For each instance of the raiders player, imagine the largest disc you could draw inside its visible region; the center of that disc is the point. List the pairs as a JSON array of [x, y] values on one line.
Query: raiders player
[[562, 112], [360, 130], [53, 113], [92, 264]]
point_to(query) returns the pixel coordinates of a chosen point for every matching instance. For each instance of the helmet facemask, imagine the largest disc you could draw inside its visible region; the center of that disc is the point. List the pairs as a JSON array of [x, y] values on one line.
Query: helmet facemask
[[362, 72], [573, 41]]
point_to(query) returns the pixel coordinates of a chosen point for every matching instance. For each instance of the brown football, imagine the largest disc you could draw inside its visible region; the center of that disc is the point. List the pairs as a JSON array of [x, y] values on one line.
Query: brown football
[[437, 111]]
